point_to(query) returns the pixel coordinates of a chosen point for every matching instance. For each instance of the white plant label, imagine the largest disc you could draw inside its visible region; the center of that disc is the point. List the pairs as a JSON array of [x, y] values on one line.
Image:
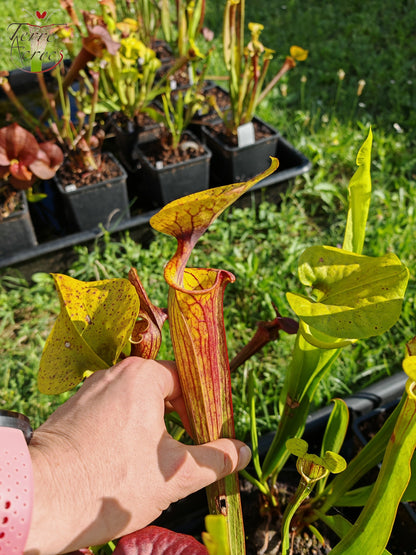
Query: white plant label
[[190, 75], [245, 134]]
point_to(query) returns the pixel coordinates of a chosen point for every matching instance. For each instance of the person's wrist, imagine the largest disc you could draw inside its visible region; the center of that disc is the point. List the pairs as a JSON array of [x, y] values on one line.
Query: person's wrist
[[55, 505], [42, 517], [67, 504]]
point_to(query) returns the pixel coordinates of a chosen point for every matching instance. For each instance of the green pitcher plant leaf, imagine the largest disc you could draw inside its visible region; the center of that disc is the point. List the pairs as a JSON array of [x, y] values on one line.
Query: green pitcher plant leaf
[[352, 297], [356, 497], [90, 333], [372, 529], [312, 469], [147, 333], [369, 456], [359, 192], [356, 296], [195, 308], [409, 495], [409, 362], [336, 428]]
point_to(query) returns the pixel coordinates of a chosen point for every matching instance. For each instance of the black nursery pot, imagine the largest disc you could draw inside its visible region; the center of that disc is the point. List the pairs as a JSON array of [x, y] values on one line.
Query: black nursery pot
[[174, 181], [123, 139], [99, 203], [16, 231], [234, 164]]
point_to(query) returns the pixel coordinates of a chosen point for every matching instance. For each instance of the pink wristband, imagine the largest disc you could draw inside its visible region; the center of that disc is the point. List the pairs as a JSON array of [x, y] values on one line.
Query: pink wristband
[[16, 491]]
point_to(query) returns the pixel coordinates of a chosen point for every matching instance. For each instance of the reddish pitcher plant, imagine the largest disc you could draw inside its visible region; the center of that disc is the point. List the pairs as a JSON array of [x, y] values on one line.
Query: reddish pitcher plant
[[103, 321], [23, 161]]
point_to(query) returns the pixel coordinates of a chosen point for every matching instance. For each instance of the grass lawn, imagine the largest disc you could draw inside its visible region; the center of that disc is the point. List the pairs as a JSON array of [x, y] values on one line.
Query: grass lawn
[[322, 116]]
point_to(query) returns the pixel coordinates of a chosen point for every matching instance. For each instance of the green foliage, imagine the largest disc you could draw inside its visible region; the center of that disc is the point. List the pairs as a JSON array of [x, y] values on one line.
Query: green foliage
[[215, 538], [21, 305], [94, 326], [372, 529], [323, 125], [356, 296], [312, 469]]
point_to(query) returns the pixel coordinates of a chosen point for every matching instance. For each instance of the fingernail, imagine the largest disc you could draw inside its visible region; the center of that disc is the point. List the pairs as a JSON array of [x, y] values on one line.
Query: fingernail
[[244, 456]]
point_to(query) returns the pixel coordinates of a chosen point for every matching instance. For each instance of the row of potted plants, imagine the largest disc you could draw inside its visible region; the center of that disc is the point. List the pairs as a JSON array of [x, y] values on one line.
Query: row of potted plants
[[123, 114]]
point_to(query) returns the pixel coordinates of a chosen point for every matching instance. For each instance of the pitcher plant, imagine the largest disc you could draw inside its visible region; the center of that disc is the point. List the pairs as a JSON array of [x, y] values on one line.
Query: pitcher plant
[[103, 321]]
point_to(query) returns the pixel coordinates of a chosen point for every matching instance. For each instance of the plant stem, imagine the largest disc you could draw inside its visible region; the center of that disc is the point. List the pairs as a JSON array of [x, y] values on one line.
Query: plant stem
[[224, 498], [301, 494], [262, 487]]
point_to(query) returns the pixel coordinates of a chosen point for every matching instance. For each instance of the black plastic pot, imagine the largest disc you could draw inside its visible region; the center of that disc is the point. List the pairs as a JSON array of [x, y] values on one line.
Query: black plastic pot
[[122, 140], [208, 115], [173, 181], [16, 231], [48, 214], [234, 164], [99, 203], [292, 163]]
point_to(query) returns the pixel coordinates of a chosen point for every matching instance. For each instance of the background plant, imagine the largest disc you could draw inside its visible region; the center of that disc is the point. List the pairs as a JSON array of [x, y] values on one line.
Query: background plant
[[247, 66], [23, 161], [178, 111]]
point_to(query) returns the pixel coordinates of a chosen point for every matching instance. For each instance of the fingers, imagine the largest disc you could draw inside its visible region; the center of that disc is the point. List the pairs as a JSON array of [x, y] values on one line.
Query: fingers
[[193, 467], [157, 378], [161, 375]]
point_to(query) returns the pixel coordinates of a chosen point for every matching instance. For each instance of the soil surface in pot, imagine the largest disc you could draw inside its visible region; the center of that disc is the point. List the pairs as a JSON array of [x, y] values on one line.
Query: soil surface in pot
[[162, 49], [219, 129], [161, 150], [107, 169], [208, 115], [180, 77], [222, 98]]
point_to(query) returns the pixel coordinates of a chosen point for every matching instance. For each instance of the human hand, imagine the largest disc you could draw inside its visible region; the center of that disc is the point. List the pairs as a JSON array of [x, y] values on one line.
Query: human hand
[[104, 464]]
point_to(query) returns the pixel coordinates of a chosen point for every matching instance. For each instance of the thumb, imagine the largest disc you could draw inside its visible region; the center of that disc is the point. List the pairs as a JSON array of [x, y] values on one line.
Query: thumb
[[201, 465]]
